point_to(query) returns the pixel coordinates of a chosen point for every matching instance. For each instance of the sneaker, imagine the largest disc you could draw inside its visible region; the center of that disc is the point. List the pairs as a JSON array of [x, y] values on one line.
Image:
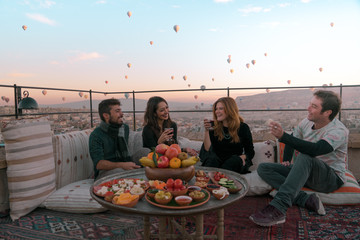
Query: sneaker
[[314, 203], [269, 216]]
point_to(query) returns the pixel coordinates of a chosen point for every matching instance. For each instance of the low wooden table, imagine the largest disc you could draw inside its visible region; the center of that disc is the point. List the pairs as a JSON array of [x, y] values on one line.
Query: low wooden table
[[167, 216]]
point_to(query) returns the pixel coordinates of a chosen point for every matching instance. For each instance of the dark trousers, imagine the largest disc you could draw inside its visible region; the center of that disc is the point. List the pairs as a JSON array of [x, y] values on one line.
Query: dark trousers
[[234, 163], [288, 180]]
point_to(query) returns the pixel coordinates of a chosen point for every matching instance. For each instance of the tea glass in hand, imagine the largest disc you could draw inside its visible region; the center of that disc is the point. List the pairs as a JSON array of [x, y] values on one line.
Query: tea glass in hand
[[170, 140], [211, 121]]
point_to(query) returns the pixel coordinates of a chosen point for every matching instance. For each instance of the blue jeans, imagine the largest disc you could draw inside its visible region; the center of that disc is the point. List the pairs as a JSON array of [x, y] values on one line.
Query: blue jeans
[[288, 180]]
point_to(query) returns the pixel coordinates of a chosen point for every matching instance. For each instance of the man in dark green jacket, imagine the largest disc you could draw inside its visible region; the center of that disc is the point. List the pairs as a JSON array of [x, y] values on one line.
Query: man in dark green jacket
[[108, 143]]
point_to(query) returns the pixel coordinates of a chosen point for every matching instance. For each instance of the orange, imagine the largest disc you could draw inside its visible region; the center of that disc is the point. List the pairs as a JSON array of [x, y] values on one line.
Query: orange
[[150, 155], [175, 163]]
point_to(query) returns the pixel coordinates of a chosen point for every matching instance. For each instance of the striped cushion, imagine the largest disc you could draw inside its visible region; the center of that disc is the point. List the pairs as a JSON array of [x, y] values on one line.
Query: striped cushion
[[348, 194], [72, 158], [74, 198], [30, 164]]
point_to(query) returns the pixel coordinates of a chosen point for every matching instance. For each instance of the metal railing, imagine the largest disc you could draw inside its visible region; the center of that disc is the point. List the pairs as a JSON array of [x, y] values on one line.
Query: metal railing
[[17, 98]]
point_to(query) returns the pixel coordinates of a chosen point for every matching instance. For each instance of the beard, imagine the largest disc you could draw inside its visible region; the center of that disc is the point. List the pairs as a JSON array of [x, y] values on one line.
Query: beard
[[115, 123]]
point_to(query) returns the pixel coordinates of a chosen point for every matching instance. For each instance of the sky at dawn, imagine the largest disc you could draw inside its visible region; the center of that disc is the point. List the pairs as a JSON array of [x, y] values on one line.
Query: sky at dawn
[[99, 45]]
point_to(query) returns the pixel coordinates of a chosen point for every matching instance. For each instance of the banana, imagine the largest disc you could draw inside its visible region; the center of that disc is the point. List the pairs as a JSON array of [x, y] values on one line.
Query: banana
[[190, 161], [147, 162]]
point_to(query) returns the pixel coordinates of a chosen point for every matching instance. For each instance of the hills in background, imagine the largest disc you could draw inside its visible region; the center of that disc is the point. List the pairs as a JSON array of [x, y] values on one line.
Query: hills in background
[[272, 100]]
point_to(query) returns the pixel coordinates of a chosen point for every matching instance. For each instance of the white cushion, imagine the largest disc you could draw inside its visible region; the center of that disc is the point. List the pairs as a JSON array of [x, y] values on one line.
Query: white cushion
[[74, 198], [30, 164], [187, 143], [257, 186], [348, 194], [264, 152]]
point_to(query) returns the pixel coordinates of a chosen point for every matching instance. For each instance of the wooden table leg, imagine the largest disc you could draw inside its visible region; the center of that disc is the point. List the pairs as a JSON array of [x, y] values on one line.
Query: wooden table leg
[[220, 225], [162, 228], [199, 227], [146, 227]]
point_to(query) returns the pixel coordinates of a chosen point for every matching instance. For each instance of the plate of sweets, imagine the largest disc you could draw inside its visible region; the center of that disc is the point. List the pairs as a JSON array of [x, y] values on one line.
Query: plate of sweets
[[223, 180], [115, 187]]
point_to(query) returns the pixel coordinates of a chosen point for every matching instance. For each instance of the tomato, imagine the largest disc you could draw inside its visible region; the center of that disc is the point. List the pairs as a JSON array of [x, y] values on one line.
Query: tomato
[[178, 183], [170, 183]]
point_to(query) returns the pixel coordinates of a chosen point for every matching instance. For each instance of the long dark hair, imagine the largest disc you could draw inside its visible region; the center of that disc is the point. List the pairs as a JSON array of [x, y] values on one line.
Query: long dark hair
[[150, 117]]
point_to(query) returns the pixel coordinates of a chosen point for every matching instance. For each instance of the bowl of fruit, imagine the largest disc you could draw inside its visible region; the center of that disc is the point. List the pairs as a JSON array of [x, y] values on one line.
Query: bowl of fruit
[[169, 162], [176, 187], [126, 200], [163, 197]]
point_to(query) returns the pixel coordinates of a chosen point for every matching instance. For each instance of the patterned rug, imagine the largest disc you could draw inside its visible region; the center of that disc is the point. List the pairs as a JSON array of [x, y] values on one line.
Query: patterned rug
[[340, 222]]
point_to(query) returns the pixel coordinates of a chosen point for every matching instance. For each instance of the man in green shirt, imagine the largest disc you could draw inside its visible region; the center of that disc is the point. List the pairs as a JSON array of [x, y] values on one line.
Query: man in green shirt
[[108, 143]]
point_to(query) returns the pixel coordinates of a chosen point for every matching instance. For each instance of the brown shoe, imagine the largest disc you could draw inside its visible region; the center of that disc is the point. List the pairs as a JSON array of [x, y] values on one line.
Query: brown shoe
[[269, 216]]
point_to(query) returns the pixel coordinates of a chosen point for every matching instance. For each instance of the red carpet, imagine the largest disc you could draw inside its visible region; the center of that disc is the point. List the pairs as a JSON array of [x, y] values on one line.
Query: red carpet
[[340, 222]]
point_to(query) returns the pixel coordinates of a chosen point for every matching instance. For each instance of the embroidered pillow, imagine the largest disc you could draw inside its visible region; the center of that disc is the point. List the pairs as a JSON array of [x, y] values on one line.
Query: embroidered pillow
[[30, 164], [74, 198], [264, 152]]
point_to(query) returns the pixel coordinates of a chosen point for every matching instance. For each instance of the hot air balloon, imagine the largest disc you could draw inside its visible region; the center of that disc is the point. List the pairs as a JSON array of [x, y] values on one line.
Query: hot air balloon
[[127, 95], [63, 98], [172, 77], [7, 99], [321, 69], [151, 42], [331, 24], [81, 94], [265, 54], [3, 98], [232, 70], [44, 92], [229, 59], [248, 65], [129, 14], [86, 96], [196, 96], [176, 28], [213, 79], [202, 87], [267, 90], [129, 65], [184, 77], [106, 82], [196, 107], [24, 27], [253, 62], [189, 85], [289, 81], [126, 77]]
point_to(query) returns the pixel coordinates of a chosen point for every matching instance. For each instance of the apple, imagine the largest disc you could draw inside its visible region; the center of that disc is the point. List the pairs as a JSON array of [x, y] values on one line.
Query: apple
[[163, 162], [161, 148], [178, 148], [178, 184], [171, 153], [170, 183]]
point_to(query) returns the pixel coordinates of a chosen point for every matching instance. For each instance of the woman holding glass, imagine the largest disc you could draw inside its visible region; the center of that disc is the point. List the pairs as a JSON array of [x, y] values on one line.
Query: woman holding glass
[[158, 126], [228, 144]]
